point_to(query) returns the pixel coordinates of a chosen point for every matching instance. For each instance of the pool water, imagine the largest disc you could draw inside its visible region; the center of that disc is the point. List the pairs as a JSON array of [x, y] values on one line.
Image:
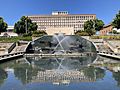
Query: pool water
[[73, 73]]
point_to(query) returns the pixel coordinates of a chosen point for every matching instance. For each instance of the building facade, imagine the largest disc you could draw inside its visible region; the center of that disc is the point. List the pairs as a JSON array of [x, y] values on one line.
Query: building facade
[[62, 19], [106, 29], [65, 30], [10, 28]]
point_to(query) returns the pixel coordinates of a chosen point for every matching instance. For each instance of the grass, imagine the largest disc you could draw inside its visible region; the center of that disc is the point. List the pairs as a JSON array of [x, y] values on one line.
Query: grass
[[114, 37], [15, 39]]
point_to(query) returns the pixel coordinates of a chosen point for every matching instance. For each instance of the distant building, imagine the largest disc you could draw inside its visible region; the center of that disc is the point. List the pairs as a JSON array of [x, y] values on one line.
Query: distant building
[[65, 30], [9, 32], [106, 29], [10, 28], [62, 19]]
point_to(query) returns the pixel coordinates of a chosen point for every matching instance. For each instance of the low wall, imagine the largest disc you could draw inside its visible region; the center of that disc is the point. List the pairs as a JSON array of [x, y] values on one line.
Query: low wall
[[86, 37], [11, 48], [27, 46], [115, 50]]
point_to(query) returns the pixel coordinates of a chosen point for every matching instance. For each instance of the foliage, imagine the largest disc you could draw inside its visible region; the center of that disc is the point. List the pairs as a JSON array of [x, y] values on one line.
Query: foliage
[[116, 21], [88, 27], [114, 37], [38, 33], [98, 24], [25, 25], [81, 33], [91, 26], [3, 25], [114, 32], [27, 34]]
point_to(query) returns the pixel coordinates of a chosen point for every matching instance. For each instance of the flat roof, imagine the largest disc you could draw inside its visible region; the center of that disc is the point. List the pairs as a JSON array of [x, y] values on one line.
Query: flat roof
[[61, 15]]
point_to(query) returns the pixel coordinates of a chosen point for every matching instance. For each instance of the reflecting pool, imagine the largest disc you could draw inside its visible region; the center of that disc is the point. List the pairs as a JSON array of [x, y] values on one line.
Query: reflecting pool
[[64, 73]]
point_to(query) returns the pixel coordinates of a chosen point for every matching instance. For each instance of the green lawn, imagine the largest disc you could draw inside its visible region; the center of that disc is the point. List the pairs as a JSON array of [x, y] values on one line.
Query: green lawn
[[15, 39], [114, 37]]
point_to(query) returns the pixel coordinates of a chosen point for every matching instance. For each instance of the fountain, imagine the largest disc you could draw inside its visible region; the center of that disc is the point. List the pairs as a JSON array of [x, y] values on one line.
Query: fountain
[[63, 44]]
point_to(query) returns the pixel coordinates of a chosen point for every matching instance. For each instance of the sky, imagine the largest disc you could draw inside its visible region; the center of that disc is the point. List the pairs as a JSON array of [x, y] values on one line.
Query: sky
[[12, 10]]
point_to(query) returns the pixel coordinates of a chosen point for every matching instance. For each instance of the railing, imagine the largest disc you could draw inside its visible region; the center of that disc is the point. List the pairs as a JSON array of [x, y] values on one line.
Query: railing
[[64, 54], [10, 56], [11, 47], [27, 46], [110, 46], [110, 54]]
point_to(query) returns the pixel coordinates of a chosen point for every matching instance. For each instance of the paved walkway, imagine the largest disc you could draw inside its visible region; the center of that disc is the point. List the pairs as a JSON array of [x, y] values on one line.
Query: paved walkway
[[3, 47], [19, 49]]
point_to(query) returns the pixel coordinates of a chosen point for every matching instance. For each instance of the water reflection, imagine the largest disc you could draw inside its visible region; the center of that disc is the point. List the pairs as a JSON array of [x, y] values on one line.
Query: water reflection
[[110, 64], [60, 71], [54, 70], [3, 76]]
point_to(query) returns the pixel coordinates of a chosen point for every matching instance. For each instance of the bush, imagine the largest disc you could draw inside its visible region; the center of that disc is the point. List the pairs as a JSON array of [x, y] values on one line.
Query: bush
[[106, 37], [38, 33], [29, 38], [82, 33], [27, 34]]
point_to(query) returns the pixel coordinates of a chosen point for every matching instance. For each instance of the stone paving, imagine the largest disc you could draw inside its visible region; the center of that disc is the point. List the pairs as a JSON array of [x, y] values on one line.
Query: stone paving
[[19, 49], [3, 47]]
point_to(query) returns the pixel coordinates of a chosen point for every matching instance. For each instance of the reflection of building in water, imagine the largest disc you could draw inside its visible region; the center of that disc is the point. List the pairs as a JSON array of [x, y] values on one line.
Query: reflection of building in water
[[111, 64], [102, 60], [56, 70], [116, 68], [61, 77]]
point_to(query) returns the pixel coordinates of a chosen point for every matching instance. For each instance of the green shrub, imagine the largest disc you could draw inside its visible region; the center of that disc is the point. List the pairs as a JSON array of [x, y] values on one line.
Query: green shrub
[[38, 33], [106, 37], [82, 33], [15, 39]]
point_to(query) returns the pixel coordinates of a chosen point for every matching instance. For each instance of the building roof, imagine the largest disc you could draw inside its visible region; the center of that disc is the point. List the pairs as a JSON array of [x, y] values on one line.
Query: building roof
[[107, 25], [62, 15]]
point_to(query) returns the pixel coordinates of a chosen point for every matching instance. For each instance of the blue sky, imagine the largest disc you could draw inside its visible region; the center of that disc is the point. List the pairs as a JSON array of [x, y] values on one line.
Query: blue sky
[[12, 10]]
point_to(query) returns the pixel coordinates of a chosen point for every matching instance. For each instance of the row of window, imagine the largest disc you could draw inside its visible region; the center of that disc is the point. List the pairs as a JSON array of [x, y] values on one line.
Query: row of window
[[70, 23], [75, 26], [62, 18], [56, 21], [60, 24]]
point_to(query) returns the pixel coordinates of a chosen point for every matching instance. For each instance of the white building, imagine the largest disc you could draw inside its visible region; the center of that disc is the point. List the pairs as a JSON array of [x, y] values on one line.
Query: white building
[[10, 28], [62, 19], [9, 32]]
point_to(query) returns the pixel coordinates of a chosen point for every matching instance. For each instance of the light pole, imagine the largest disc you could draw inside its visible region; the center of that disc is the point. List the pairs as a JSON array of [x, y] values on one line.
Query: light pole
[[94, 25], [26, 25]]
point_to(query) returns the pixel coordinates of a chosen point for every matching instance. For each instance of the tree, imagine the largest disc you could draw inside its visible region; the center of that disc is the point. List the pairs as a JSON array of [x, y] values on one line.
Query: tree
[[98, 24], [25, 25], [114, 32], [116, 21], [91, 26], [88, 27], [3, 25]]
